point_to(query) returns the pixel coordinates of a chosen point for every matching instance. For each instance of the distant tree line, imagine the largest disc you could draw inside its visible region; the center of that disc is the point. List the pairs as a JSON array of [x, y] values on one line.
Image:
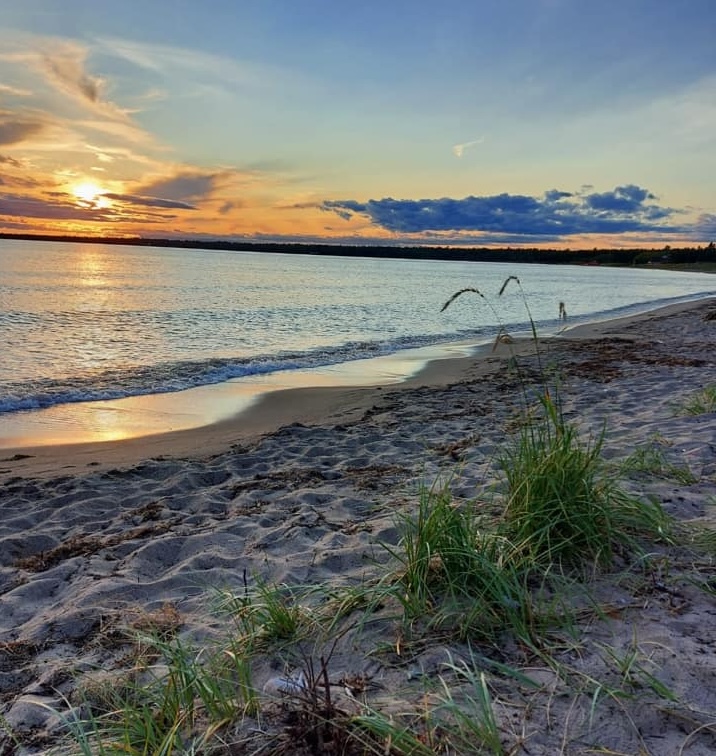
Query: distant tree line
[[619, 257]]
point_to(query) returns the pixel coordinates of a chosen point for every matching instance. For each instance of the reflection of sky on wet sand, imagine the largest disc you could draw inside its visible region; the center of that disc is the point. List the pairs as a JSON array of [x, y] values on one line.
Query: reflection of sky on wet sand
[[134, 417]]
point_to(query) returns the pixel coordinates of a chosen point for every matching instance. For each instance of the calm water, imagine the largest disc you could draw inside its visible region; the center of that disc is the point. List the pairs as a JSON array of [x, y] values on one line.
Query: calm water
[[83, 322]]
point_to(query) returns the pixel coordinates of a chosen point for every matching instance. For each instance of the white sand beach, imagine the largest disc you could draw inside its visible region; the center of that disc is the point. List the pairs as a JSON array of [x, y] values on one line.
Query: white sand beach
[[303, 488]]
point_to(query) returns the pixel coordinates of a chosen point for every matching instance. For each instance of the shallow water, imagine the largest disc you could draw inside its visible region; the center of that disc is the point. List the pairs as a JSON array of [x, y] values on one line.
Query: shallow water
[[87, 322]]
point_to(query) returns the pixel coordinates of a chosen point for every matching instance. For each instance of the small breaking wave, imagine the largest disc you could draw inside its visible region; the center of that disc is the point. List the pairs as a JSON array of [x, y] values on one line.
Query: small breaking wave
[[139, 380], [179, 376]]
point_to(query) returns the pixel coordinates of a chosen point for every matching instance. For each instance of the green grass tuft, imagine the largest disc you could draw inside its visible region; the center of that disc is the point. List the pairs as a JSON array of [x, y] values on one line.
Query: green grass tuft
[[652, 460], [264, 614], [177, 706], [562, 507], [459, 578], [702, 402]]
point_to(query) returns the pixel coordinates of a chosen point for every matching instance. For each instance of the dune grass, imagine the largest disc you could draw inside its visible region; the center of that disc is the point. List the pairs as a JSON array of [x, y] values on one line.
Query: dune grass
[[456, 574], [651, 459], [176, 705], [263, 614], [701, 402], [458, 577], [562, 505]]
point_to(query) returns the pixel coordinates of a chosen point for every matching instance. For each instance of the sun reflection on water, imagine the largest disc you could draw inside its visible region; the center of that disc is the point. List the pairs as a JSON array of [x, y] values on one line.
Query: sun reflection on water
[[93, 266]]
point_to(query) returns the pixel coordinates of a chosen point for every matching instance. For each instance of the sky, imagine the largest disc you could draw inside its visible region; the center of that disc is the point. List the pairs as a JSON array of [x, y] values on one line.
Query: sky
[[541, 123]]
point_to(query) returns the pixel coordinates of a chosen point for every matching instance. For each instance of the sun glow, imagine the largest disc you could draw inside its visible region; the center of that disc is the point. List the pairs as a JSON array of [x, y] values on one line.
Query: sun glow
[[90, 193]]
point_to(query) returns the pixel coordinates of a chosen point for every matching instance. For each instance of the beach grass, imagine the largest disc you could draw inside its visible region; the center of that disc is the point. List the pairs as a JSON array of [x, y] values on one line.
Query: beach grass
[[454, 573], [176, 705], [456, 576], [651, 460], [562, 507], [514, 591], [701, 402], [263, 614]]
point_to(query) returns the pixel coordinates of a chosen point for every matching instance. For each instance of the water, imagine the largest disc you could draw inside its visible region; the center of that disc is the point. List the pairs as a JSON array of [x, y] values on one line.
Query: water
[[87, 322]]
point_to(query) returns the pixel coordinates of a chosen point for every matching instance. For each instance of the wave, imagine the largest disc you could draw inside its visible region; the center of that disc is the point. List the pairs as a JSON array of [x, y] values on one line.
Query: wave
[[179, 376]]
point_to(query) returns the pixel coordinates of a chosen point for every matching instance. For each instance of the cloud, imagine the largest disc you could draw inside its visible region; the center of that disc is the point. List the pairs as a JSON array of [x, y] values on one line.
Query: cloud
[[133, 199], [554, 195], [6, 89], [68, 96], [119, 129], [225, 71], [54, 209], [61, 206], [705, 227], [230, 205], [624, 199], [555, 214], [7, 160], [15, 129], [111, 154], [101, 154], [185, 186], [459, 149], [23, 181], [19, 225], [64, 65]]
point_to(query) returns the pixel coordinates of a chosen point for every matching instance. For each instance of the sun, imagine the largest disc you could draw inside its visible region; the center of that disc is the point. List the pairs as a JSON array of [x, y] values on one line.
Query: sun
[[90, 193]]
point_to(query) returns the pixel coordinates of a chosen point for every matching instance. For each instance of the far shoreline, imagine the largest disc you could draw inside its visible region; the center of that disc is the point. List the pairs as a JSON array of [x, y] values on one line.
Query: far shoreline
[[666, 257]]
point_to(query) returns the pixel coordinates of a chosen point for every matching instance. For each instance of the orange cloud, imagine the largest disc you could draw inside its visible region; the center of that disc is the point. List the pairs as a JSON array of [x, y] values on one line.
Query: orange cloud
[[186, 185]]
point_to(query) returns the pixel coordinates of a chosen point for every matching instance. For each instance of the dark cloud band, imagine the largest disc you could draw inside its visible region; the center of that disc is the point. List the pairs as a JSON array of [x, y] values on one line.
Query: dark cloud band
[[133, 199], [556, 213]]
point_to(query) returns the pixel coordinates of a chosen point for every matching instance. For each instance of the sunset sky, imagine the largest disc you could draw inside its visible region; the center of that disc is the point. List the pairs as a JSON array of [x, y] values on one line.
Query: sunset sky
[[563, 123]]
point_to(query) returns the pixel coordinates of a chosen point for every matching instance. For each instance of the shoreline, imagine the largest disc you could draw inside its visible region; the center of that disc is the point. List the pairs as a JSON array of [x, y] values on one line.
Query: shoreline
[[621, 257], [269, 410], [147, 415]]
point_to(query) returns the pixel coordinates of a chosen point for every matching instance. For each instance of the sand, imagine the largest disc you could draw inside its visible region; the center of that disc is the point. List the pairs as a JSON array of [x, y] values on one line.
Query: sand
[[303, 488]]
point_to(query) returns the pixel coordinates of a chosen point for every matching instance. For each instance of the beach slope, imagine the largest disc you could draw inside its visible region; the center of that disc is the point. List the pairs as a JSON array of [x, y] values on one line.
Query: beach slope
[[100, 541]]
